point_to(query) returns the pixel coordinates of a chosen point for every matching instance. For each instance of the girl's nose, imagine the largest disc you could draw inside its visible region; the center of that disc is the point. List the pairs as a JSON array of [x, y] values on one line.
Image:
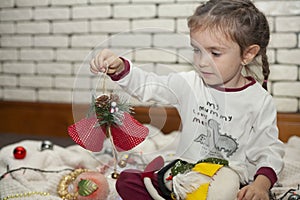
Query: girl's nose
[[202, 60]]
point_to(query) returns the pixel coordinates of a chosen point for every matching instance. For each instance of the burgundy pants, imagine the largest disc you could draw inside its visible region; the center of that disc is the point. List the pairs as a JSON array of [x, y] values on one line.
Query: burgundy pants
[[130, 185]]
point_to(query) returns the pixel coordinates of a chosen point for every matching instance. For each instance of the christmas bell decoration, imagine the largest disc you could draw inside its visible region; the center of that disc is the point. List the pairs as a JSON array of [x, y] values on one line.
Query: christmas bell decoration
[[112, 120]]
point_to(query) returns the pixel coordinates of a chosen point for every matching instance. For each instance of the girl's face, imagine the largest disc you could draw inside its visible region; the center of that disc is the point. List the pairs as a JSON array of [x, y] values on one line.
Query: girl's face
[[217, 59]]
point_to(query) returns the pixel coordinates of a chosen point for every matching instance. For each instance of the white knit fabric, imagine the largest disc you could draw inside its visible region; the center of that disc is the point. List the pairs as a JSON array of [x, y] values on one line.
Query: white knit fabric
[[289, 178], [74, 156], [23, 181]]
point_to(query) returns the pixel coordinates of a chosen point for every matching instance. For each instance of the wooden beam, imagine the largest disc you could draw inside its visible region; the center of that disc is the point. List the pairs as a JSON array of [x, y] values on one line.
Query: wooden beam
[[53, 119]]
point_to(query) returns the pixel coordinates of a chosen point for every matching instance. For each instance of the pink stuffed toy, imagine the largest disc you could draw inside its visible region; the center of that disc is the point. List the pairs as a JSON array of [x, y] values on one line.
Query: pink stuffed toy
[[82, 184], [91, 186]]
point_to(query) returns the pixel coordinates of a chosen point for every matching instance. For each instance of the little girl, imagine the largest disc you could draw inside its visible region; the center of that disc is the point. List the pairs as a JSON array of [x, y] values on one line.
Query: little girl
[[225, 115]]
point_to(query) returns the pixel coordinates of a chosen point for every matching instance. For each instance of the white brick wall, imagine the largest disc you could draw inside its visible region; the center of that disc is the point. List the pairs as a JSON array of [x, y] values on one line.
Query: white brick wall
[[29, 3], [283, 40], [16, 14], [176, 10], [35, 54], [284, 72], [287, 89], [131, 40], [70, 27], [19, 68], [45, 45], [36, 27], [19, 94], [91, 12], [279, 7], [16, 41], [51, 13], [110, 26], [134, 11], [154, 25], [36, 81], [55, 41]]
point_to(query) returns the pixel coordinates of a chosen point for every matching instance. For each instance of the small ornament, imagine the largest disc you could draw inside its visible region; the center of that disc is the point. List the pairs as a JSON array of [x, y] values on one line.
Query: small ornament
[[19, 152], [122, 163], [86, 187], [91, 180], [46, 144], [294, 197], [124, 160], [115, 175], [82, 184]]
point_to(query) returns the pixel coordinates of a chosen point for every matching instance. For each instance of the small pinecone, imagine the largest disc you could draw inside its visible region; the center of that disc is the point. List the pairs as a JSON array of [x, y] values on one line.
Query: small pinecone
[[102, 101]]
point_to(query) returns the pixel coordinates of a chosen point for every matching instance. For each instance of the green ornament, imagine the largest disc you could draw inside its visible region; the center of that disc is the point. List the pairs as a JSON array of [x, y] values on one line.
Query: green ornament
[[86, 187], [214, 161], [181, 167]]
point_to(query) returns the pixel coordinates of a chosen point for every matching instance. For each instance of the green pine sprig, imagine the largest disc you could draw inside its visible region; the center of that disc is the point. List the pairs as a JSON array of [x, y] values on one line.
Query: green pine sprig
[[110, 109]]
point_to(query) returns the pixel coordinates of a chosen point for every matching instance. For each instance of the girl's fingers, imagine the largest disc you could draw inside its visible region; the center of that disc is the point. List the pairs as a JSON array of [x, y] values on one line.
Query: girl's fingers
[[105, 61], [99, 59], [94, 68], [93, 71], [113, 62], [241, 194]]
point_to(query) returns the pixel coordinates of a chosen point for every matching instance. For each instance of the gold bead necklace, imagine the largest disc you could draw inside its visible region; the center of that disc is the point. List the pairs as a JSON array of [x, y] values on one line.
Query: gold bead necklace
[[26, 194], [64, 183]]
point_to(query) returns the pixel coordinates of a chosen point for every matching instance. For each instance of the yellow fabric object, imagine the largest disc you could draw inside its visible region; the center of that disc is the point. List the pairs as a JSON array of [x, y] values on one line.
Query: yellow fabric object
[[199, 194], [208, 169]]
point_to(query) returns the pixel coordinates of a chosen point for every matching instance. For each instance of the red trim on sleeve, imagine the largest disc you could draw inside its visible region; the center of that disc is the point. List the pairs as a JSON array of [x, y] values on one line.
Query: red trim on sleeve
[[269, 173], [118, 76]]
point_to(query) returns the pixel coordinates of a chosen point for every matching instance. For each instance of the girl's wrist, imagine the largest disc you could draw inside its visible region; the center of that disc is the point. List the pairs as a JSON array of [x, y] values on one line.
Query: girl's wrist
[[122, 70], [121, 67], [263, 182], [268, 173]]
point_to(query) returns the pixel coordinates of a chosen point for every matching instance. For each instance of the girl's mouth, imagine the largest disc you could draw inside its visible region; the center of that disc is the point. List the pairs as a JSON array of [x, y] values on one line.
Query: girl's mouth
[[206, 74]]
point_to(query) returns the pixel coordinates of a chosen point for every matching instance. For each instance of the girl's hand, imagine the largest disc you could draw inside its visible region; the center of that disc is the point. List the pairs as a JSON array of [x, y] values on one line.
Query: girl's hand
[[258, 190], [250, 192], [106, 61]]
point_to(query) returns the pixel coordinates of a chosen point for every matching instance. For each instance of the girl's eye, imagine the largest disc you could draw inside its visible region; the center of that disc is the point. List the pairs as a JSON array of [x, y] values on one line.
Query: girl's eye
[[216, 54], [196, 50]]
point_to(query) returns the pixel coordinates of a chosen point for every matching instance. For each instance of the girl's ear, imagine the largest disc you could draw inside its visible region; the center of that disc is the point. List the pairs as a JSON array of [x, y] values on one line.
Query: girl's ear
[[250, 53]]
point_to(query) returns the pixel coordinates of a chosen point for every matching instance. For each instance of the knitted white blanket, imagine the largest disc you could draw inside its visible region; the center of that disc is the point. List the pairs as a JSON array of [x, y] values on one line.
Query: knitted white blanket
[[52, 162], [59, 159], [290, 175]]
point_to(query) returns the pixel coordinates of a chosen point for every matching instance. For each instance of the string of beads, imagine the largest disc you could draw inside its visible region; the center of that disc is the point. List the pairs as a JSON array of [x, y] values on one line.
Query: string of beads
[[26, 194], [63, 185]]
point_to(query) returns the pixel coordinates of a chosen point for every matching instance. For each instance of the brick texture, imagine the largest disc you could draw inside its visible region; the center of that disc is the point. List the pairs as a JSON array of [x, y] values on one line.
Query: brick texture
[[46, 45]]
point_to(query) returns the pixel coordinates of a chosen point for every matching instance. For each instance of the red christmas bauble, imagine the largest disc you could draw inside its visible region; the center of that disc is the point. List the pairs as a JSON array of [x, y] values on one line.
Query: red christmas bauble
[[19, 152]]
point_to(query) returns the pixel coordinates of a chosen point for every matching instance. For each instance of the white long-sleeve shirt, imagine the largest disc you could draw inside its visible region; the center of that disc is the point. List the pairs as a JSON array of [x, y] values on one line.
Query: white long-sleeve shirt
[[238, 125]]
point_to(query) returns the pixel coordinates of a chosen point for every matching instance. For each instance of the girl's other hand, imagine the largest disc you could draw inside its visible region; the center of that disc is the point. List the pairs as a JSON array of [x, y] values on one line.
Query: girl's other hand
[[106, 62], [258, 190]]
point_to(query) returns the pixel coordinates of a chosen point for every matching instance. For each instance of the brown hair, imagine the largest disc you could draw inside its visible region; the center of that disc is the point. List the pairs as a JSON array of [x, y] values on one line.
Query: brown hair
[[240, 21]]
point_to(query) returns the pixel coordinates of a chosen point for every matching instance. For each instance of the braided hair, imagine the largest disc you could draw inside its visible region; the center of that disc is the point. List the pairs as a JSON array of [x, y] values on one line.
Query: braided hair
[[240, 21]]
